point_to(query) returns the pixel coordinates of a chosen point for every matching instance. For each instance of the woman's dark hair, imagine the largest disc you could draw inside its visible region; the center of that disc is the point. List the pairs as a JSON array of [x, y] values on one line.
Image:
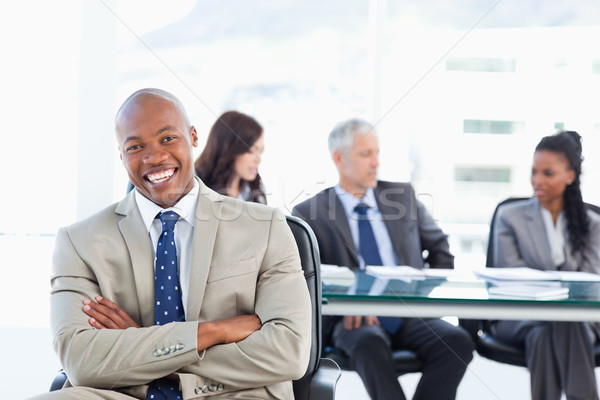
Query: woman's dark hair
[[568, 143], [232, 134]]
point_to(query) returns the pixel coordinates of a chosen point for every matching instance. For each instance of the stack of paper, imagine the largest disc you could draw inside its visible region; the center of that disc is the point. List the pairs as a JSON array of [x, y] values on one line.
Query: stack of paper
[[575, 276], [402, 272], [334, 275], [528, 292], [515, 274]]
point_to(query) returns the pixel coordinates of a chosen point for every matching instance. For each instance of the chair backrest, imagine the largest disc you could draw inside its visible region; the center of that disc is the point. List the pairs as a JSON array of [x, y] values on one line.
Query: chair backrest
[[489, 262], [311, 265]]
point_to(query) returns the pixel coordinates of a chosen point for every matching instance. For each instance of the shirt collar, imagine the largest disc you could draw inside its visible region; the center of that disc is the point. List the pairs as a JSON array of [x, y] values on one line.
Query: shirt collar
[[350, 202], [244, 193], [185, 207]]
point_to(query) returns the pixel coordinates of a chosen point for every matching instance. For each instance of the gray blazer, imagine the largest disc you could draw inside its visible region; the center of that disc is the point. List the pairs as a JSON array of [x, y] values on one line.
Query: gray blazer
[[520, 240]]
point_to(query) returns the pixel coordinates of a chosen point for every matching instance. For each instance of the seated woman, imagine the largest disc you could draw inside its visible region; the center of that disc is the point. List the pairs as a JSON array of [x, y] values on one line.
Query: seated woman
[[552, 231], [229, 162]]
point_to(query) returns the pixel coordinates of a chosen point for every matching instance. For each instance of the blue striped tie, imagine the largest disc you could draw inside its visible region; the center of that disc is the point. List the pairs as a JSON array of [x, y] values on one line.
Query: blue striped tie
[[369, 251]]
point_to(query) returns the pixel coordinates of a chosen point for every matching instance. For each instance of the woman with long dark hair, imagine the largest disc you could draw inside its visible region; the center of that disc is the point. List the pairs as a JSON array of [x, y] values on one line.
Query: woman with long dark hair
[[229, 162], [552, 231]]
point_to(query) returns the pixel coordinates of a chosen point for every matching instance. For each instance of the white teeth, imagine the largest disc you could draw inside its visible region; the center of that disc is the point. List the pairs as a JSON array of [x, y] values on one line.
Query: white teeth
[[161, 176]]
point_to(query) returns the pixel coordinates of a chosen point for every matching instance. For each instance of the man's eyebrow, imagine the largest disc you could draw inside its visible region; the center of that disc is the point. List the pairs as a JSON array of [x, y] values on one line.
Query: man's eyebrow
[[129, 138], [157, 133], [165, 129]]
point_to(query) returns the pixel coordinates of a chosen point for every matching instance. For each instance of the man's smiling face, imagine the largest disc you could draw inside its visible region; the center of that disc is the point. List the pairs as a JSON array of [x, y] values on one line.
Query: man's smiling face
[[155, 143]]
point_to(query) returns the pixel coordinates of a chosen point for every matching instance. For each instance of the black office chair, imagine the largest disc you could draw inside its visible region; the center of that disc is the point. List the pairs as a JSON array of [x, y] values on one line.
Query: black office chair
[[320, 380], [405, 361], [321, 377], [485, 343]]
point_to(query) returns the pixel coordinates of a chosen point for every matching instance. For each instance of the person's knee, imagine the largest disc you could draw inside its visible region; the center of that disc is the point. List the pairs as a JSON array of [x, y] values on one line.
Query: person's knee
[[370, 342], [370, 346], [370, 352], [539, 337], [459, 343]]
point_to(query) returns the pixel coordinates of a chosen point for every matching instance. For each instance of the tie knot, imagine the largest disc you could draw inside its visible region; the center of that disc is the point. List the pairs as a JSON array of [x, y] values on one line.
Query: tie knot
[[168, 220], [361, 209]]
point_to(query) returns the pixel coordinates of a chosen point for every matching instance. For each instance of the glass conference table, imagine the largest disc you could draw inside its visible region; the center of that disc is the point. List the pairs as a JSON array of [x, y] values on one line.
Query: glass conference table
[[467, 295]]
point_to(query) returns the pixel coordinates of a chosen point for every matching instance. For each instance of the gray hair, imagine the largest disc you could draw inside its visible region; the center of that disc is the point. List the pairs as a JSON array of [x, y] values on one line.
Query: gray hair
[[343, 134]]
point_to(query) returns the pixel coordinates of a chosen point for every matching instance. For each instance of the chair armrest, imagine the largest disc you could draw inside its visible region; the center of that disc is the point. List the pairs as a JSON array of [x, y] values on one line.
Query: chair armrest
[[58, 382], [324, 381], [472, 326]]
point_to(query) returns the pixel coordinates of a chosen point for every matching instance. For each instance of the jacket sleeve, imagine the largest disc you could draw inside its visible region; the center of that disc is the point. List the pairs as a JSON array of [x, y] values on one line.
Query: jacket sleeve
[[280, 350], [591, 261], [108, 358], [434, 240]]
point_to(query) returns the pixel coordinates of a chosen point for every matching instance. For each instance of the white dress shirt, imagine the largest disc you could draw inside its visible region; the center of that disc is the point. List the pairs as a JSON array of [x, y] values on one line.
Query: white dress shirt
[[184, 231], [382, 236], [555, 233]]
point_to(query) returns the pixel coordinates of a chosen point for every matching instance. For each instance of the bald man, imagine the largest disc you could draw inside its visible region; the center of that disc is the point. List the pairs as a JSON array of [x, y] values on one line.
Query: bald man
[[245, 328]]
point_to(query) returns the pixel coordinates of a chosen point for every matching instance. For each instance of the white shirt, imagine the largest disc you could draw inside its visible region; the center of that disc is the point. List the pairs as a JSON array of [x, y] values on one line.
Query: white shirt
[[555, 235], [184, 231], [382, 236]]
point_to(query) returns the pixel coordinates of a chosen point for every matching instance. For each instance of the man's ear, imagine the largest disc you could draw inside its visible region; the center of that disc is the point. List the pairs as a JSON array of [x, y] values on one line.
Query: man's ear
[[338, 158], [194, 136]]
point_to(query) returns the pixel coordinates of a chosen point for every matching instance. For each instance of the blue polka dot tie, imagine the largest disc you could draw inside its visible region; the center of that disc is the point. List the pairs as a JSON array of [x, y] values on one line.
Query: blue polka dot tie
[[369, 251], [168, 306]]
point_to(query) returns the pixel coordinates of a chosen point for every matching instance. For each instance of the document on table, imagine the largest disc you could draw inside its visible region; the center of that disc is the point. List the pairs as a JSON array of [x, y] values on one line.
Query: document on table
[[575, 276], [333, 274], [515, 274], [531, 275], [528, 292], [402, 272]]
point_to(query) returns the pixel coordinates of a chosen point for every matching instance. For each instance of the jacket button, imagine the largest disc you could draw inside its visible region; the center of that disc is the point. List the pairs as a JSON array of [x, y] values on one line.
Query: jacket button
[[197, 390], [220, 386], [157, 353], [172, 348], [180, 346], [212, 387], [204, 389]]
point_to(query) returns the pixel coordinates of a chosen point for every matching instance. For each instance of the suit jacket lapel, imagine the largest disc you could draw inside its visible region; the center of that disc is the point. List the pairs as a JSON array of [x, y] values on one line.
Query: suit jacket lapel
[[207, 218], [537, 234], [394, 224], [140, 251], [340, 222]]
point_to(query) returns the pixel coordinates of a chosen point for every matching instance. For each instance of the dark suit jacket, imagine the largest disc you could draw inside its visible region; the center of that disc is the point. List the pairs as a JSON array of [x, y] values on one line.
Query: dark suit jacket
[[411, 228]]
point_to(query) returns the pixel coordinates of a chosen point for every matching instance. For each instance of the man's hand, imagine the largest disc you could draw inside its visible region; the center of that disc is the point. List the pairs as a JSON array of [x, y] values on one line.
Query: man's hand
[[352, 322], [228, 330], [104, 314]]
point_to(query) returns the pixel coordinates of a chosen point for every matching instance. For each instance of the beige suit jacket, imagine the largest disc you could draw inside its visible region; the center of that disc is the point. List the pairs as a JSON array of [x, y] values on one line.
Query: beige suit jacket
[[244, 261]]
